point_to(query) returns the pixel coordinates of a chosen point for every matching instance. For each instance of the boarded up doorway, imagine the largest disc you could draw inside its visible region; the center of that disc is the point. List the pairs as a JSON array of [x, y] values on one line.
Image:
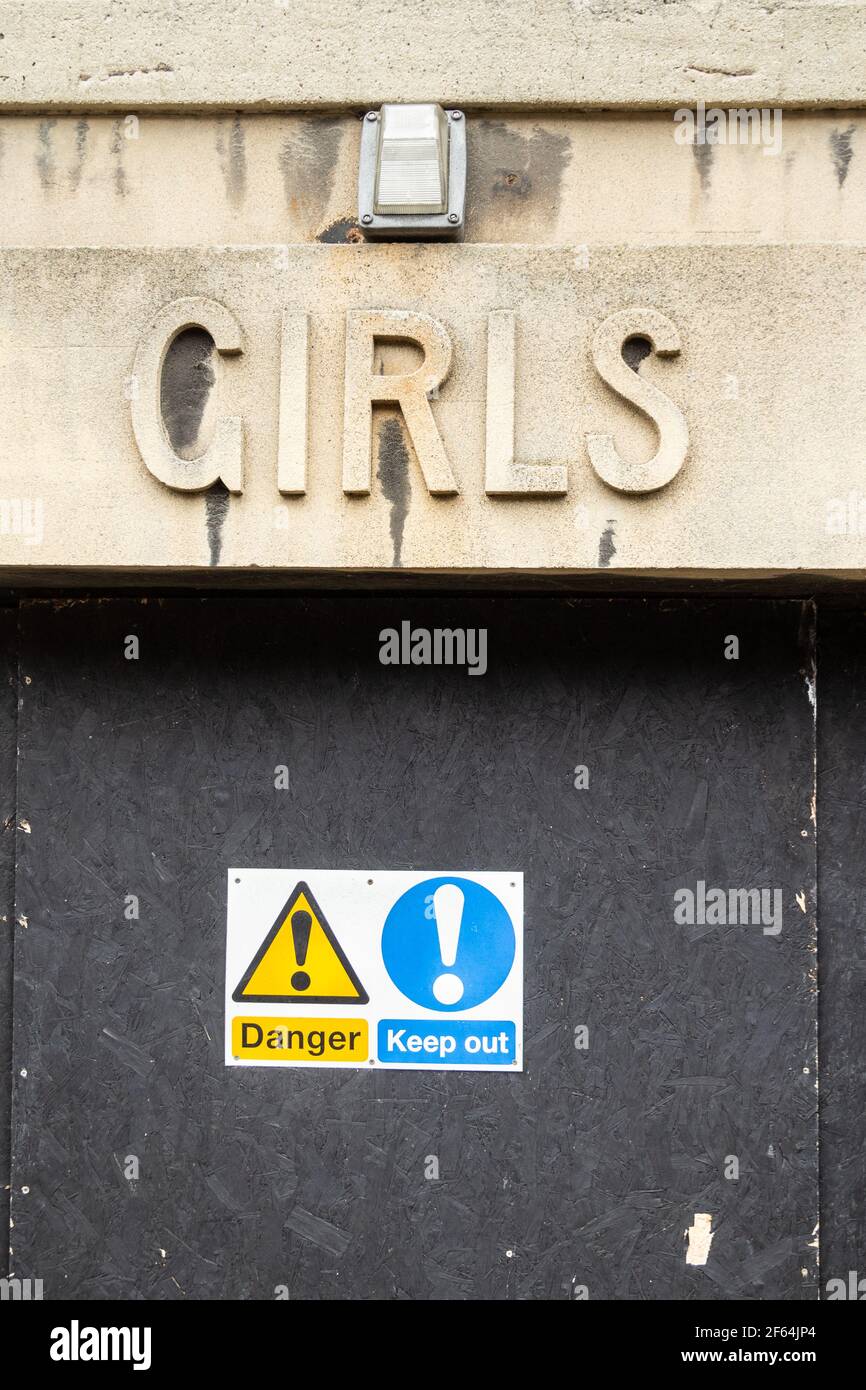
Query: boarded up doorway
[[146, 778]]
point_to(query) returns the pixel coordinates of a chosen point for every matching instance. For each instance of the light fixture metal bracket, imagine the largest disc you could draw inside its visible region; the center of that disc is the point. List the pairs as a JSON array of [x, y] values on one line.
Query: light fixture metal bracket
[[422, 226]]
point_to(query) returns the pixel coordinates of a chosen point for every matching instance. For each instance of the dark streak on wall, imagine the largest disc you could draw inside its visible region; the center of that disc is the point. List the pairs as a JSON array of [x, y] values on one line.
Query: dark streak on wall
[[82, 130], [606, 547], [216, 511], [233, 159], [841, 152], [393, 474], [704, 160], [634, 350], [45, 154], [516, 171], [344, 231], [308, 162], [237, 161], [117, 141], [188, 377]]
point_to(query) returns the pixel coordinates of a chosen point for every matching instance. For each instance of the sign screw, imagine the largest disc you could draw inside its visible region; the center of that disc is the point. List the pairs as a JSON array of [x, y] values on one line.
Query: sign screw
[[372, 115], [453, 217], [368, 217], [457, 115]]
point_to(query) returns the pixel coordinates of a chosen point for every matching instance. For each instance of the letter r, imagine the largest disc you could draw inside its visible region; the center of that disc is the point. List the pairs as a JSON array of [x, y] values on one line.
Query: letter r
[[409, 390]]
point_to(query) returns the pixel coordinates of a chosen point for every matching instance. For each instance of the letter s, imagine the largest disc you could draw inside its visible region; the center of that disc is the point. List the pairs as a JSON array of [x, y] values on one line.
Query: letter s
[[667, 418]]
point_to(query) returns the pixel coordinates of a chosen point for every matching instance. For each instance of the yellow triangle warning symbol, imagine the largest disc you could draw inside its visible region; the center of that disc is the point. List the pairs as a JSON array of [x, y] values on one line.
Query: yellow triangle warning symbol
[[300, 961]]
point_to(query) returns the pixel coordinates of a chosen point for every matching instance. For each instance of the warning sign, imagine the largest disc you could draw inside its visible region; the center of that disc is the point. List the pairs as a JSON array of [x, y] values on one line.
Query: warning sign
[[404, 969], [300, 960], [300, 1039]]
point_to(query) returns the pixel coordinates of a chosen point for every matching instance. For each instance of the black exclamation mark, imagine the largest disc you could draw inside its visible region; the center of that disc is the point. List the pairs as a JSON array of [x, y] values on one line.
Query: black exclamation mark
[[301, 923]]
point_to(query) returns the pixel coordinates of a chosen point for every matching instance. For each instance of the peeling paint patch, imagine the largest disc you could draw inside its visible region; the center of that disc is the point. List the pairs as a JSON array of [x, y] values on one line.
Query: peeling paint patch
[[216, 510], [721, 72], [841, 152], [700, 1238], [606, 547], [393, 474], [160, 70]]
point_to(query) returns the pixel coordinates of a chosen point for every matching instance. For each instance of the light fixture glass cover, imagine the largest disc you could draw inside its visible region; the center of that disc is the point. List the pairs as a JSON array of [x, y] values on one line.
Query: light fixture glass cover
[[412, 161]]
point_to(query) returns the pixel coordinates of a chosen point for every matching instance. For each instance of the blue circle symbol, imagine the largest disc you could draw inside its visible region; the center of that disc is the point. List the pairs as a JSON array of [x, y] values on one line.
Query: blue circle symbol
[[448, 943]]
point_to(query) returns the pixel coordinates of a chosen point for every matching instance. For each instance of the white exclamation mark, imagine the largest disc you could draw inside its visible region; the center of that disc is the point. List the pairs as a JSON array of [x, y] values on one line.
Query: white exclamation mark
[[448, 911]]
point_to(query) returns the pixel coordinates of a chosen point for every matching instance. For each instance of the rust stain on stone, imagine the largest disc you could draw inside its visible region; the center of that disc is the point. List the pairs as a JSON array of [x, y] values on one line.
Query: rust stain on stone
[[344, 232]]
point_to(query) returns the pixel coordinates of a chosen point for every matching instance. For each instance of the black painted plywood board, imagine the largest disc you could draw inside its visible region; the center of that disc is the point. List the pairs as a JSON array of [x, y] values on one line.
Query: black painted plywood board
[[8, 720], [152, 777], [842, 943]]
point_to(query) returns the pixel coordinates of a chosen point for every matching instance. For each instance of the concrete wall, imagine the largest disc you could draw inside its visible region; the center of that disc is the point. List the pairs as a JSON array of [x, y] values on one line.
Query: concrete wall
[[137, 178], [770, 381], [274, 54], [150, 153]]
